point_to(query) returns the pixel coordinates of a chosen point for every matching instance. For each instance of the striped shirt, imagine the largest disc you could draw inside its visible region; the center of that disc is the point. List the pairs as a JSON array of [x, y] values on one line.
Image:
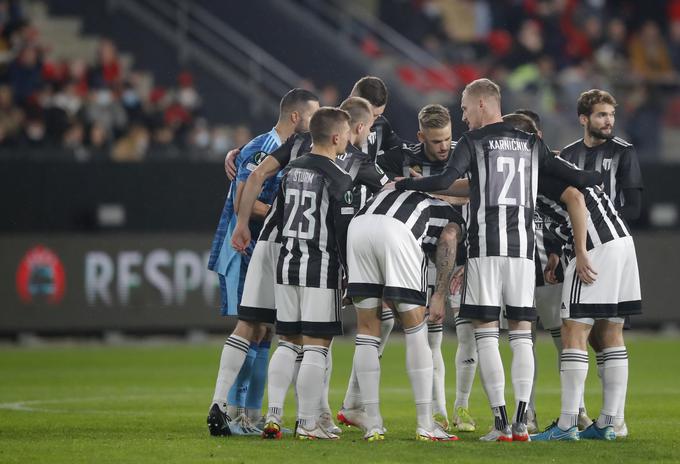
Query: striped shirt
[[616, 159], [546, 244], [314, 207], [424, 215], [603, 223], [296, 146], [503, 165], [380, 139], [367, 176]]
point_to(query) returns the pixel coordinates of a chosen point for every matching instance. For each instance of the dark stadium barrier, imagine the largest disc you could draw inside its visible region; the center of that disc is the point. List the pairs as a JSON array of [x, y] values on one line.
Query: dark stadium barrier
[[158, 283]]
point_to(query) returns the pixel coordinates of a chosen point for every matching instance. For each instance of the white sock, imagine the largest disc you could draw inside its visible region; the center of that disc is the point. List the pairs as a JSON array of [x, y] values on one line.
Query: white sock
[[352, 396], [491, 366], [233, 355], [419, 368], [325, 406], [435, 333], [466, 362], [522, 371], [386, 326], [367, 367], [280, 376], [310, 384], [615, 382], [572, 378]]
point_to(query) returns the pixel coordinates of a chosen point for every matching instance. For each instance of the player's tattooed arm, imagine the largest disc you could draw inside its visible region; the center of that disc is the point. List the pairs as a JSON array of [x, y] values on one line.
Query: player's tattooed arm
[[445, 264]]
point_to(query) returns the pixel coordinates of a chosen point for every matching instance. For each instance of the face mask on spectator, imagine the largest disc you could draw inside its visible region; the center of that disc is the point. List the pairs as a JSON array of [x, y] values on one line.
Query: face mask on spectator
[[104, 97], [130, 98], [202, 138], [188, 98]]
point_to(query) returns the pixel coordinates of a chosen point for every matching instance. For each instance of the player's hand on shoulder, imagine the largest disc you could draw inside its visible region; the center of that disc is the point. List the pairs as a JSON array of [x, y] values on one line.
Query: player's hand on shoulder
[[230, 163]]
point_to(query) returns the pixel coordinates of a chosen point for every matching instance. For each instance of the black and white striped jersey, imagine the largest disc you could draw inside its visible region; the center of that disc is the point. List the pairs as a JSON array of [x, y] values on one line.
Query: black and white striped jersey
[[546, 243], [367, 176], [399, 161], [603, 223], [381, 139], [503, 165], [425, 216], [295, 146], [314, 207], [616, 159]]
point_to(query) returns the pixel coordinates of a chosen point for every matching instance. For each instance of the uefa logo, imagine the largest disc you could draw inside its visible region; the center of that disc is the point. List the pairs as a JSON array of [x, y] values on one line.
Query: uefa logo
[[40, 277]]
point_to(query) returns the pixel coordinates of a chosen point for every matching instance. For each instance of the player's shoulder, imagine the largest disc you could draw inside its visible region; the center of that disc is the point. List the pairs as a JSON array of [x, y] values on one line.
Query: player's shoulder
[[575, 145], [619, 142], [412, 148]]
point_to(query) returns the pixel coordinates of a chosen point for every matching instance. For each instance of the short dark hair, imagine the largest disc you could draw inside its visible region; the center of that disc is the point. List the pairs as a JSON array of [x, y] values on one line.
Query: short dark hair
[[325, 121], [522, 122], [592, 97], [532, 114], [292, 100], [434, 116], [372, 89], [359, 109]]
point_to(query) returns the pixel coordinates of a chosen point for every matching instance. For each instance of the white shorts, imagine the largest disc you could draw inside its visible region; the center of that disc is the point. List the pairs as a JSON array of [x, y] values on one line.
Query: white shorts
[[548, 298], [591, 321], [311, 311], [493, 281], [616, 290], [385, 261], [258, 303]]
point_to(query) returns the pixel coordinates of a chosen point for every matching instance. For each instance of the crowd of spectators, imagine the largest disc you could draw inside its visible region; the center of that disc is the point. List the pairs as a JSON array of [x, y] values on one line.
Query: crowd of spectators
[[545, 52], [93, 108]]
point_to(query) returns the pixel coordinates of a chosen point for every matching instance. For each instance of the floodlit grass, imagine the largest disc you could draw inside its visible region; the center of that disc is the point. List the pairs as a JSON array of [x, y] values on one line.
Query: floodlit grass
[[149, 404]]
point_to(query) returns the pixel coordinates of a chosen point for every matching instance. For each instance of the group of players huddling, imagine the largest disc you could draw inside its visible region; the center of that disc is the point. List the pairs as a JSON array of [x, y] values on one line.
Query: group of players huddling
[[331, 203]]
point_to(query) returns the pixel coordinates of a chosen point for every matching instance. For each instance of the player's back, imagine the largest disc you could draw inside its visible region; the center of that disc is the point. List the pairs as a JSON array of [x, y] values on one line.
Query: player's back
[[422, 214], [503, 185], [314, 196], [367, 176]]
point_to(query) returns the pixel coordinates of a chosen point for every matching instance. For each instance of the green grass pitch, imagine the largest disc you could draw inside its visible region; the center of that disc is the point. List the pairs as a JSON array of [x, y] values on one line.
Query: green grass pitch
[[93, 403]]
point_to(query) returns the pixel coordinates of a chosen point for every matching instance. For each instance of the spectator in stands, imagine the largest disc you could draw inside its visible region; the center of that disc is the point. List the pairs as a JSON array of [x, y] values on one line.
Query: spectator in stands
[[649, 54], [133, 145], [107, 70], [674, 43], [103, 108], [11, 117], [24, 74], [99, 143], [611, 56], [163, 147]]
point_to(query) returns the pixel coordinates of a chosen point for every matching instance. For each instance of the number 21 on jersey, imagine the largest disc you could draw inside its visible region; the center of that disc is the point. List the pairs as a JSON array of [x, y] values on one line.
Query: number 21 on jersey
[[509, 177]]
